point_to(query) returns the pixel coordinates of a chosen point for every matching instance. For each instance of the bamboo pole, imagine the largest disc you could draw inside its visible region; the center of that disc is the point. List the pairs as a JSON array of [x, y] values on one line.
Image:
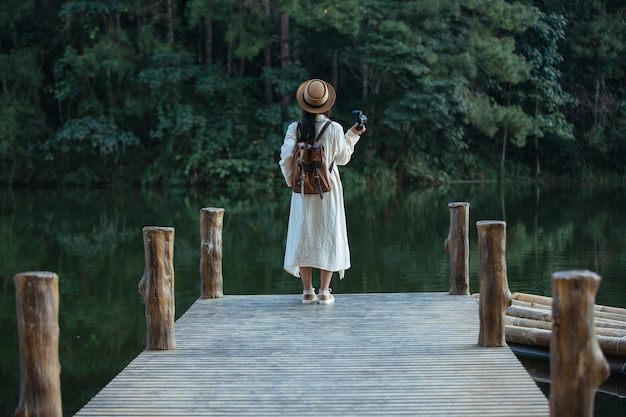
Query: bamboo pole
[[544, 307], [610, 346], [539, 312], [37, 305], [495, 296], [544, 314], [211, 225], [532, 327], [528, 336], [614, 313], [619, 319], [532, 298], [157, 287], [524, 322], [457, 246], [547, 325], [577, 365]]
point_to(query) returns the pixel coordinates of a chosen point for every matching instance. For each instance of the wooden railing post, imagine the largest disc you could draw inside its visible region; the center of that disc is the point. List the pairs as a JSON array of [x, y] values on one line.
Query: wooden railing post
[[157, 287], [457, 246], [495, 296], [211, 225], [37, 302], [577, 365]]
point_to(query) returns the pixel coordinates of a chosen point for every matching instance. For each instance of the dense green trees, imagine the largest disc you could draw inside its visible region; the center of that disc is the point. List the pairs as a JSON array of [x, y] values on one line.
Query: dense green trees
[[199, 92]]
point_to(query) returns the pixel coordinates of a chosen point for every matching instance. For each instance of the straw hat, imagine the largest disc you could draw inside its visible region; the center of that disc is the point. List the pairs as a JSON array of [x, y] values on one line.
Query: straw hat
[[316, 96]]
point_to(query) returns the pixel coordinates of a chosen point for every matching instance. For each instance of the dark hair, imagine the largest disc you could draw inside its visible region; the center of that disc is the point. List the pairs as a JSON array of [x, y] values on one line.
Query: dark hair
[[306, 126]]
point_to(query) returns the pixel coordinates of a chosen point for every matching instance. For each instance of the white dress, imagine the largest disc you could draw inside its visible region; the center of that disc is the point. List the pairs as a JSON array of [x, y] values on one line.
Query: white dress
[[317, 235]]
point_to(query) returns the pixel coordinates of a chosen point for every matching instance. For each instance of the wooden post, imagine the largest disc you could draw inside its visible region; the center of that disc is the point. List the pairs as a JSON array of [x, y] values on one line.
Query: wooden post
[[457, 246], [577, 365], [157, 287], [495, 296], [37, 302], [211, 225]]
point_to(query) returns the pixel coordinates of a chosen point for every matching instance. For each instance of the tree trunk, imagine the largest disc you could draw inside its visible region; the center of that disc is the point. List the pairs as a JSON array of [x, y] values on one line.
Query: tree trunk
[[37, 302], [170, 22], [365, 81], [505, 138], [334, 68], [157, 287], [229, 58], [537, 162], [495, 296], [284, 56], [84, 81], [457, 246], [596, 104], [241, 67], [208, 41], [211, 225], [267, 52], [577, 365]]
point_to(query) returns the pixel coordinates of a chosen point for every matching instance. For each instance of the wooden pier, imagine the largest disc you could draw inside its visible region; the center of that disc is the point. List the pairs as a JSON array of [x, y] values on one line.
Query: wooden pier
[[366, 355]]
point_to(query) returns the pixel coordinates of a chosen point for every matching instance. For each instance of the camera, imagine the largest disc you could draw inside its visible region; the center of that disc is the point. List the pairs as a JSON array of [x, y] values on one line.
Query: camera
[[360, 118]]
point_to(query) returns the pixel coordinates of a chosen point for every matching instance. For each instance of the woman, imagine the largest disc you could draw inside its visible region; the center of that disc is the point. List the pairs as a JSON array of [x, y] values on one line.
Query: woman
[[317, 235]]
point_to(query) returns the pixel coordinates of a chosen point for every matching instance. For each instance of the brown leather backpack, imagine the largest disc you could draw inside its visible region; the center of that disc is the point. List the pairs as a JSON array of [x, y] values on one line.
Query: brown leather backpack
[[310, 173]]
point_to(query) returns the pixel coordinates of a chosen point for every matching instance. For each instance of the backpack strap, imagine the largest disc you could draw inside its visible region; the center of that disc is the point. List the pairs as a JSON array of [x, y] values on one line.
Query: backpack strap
[[303, 174], [319, 135], [330, 169], [317, 177]]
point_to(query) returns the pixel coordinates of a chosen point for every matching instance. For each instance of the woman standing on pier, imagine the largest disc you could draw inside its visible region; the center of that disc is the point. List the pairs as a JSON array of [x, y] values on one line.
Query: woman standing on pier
[[317, 235]]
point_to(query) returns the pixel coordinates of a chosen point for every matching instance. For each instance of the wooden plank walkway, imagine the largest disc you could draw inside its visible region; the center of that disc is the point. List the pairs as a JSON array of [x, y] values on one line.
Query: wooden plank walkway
[[366, 355]]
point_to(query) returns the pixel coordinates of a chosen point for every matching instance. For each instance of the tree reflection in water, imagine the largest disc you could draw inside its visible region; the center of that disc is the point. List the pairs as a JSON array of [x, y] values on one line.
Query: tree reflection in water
[[92, 240]]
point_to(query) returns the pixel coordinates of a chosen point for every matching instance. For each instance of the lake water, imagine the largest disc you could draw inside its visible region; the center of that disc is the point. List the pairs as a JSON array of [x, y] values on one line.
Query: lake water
[[93, 241]]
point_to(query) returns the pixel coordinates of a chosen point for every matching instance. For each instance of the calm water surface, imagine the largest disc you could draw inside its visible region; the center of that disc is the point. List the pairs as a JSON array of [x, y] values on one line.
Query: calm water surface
[[93, 241]]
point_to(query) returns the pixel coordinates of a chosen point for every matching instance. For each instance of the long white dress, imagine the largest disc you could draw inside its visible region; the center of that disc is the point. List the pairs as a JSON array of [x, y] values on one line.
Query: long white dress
[[317, 235]]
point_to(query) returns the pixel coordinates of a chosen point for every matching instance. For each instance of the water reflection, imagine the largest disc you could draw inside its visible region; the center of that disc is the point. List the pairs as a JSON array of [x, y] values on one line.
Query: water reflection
[[93, 241]]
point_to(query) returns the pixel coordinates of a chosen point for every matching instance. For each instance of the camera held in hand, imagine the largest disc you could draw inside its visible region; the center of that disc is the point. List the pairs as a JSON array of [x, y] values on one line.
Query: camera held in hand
[[360, 118]]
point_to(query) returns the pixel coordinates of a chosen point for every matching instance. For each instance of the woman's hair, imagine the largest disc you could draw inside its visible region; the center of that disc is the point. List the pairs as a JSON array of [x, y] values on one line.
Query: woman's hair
[[306, 126]]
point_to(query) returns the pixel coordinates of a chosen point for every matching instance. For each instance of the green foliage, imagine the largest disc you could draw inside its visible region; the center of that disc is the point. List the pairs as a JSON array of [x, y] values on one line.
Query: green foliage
[[22, 119], [447, 85], [326, 14], [489, 118], [89, 134], [593, 48], [89, 139], [197, 10], [166, 74]]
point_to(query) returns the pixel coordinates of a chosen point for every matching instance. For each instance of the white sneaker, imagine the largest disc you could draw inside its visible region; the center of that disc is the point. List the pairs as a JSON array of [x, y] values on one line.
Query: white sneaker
[[309, 298], [326, 298]]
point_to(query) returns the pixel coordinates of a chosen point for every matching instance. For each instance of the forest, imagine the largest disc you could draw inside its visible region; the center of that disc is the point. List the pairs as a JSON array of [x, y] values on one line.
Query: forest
[[198, 93]]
